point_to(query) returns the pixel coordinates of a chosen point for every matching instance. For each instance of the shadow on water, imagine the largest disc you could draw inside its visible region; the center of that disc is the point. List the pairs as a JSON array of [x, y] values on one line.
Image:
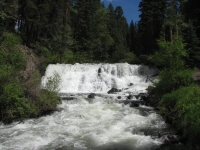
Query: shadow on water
[[122, 146], [112, 146]]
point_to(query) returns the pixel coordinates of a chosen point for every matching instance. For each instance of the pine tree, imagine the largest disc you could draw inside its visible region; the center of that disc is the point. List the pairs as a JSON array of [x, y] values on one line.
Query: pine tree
[[150, 24], [8, 15], [191, 11], [45, 23], [100, 39], [118, 29], [132, 37]]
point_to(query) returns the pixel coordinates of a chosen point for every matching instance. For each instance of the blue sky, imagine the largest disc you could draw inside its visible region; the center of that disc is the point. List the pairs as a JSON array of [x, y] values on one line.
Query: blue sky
[[130, 8]]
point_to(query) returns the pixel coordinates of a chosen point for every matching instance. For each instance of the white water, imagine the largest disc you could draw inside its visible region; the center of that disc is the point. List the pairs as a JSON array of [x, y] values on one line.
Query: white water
[[90, 124], [84, 78]]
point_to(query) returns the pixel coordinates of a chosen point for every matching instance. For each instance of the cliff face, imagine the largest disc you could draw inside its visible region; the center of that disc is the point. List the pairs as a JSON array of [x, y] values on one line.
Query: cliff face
[[32, 63], [30, 75]]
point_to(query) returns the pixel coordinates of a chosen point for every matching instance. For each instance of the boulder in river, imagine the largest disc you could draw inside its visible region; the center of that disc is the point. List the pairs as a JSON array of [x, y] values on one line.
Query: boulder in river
[[143, 96], [91, 95], [119, 97], [130, 96], [130, 84], [135, 104], [113, 91]]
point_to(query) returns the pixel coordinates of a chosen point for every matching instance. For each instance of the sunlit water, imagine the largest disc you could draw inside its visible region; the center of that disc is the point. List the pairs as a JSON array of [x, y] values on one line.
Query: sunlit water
[[83, 123]]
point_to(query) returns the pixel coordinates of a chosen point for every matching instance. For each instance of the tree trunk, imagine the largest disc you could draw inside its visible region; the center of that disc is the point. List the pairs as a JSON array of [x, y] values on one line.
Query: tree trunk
[[171, 35]]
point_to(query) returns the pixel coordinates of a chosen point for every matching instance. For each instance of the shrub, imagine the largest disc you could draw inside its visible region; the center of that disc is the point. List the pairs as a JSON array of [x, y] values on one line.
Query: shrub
[[170, 55], [170, 80], [186, 103], [52, 83], [46, 102], [13, 102], [130, 58]]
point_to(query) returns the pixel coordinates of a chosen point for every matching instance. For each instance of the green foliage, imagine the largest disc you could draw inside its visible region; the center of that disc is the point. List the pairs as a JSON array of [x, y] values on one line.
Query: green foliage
[[3, 15], [13, 102], [10, 55], [83, 57], [170, 55], [11, 58], [130, 58], [193, 45], [52, 83], [100, 39], [12, 99], [149, 27], [186, 103], [46, 102], [170, 80]]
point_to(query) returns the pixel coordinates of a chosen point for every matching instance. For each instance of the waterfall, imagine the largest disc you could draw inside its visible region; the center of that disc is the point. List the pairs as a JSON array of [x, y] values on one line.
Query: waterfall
[[99, 123], [99, 78]]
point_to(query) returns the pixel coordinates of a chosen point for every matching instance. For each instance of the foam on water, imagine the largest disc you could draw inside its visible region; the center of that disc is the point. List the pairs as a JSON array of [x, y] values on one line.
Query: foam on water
[[90, 124], [85, 78]]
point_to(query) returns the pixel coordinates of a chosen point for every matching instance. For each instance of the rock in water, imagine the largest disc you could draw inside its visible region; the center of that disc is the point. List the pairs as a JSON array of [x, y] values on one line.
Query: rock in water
[[91, 95], [113, 91]]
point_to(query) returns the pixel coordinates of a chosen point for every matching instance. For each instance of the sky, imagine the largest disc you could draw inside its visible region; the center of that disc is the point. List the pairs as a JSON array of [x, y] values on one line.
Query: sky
[[130, 8]]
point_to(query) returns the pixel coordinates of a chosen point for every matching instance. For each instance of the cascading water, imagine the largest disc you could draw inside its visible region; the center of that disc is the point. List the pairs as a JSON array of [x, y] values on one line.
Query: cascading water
[[99, 78], [100, 123]]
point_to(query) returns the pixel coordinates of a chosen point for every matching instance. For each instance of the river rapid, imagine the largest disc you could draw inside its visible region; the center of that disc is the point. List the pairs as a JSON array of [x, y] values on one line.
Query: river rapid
[[100, 123]]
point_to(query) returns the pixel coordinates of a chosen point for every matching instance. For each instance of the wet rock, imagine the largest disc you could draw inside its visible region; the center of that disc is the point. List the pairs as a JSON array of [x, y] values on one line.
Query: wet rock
[[91, 95], [134, 104], [130, 84], [113, 91], [67, 98], [99, 71], [119, 97], [143, 96], [130, 97]]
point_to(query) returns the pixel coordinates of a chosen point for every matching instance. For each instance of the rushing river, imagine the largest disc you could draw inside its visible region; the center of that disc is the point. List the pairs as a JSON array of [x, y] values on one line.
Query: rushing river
[[99, 123]]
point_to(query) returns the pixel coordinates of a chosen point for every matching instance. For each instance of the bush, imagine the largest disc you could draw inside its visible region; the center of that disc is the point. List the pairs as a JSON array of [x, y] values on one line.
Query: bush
[[13, 102], [130, 58], [170, 55], [185, 102], [170, 80], [46, 102], [52, 83]]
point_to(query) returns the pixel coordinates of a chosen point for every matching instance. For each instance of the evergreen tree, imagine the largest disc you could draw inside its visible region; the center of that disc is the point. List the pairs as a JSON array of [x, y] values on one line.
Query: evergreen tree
[[45, 23], [100, 39], [112, 26], [8, 15], [150, 24], [118, 29], [191, 12], [132, 37]]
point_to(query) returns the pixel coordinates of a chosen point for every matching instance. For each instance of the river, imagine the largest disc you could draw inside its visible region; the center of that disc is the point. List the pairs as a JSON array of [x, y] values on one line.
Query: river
[[100, 123]]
